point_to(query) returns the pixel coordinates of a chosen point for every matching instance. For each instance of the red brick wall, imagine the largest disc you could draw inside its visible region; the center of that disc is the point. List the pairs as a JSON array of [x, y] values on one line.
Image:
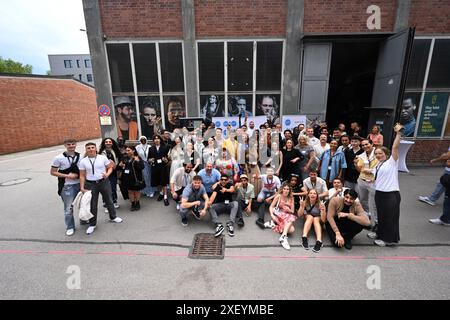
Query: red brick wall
[[424, 150], [141, 18], [240, 18], [44, 112], [430, 16], [325, 16]]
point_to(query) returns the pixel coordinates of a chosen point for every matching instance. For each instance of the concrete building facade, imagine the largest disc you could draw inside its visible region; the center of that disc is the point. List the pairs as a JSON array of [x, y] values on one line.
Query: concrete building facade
[[77, 65], [369, 61]]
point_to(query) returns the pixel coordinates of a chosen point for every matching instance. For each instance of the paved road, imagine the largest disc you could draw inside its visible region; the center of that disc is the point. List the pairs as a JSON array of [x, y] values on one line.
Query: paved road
[[146, 256]]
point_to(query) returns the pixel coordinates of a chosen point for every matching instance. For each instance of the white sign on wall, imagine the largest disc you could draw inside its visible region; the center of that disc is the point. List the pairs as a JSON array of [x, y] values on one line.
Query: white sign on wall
[[291, 121], [224, 122]]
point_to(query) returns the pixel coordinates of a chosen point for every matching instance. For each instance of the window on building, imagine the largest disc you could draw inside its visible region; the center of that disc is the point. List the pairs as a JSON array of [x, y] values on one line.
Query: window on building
[[87, 63], [418, 64], [89, 77], [80, 77], [269, 65], [171, 59], [240, 66], [78, 63], [439, 75], [146, 67], [67, 64], [210, 66], [120, 67]]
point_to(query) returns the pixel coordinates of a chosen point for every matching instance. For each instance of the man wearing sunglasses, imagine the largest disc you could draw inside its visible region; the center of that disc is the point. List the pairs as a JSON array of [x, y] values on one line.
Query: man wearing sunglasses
[[221, 201]]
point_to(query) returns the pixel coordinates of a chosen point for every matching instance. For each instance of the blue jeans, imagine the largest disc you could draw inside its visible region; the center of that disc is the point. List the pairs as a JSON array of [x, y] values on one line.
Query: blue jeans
[[438, 191], [68, 194], [147, 173], [446, 210]]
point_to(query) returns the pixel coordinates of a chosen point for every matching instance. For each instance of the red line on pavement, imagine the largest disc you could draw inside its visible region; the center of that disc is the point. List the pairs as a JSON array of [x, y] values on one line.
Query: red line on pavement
[[438, 258], [66, 252], [116, 253], [400, 258]]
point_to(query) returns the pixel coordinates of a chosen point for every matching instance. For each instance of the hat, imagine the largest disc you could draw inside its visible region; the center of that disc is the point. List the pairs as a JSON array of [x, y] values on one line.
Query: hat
[[142, 137], [243, 176], [122, 100]]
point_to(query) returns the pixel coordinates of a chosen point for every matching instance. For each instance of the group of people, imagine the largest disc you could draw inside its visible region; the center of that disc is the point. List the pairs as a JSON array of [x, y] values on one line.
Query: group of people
[[341, 182]]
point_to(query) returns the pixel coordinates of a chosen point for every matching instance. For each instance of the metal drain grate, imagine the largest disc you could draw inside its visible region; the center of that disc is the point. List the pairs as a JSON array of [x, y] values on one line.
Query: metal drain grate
[[206, 246]]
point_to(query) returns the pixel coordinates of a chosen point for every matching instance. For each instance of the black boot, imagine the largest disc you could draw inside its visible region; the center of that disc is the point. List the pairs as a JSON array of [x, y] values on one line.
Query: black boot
[[133, 206], [137, 206]]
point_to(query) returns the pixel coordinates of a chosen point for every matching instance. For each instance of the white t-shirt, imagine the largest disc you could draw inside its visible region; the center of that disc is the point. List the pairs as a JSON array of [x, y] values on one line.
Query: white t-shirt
[[320, 185], [332, 191], [94, 167], [319, 150], [313, 141], [387, 176], [270, 184], [62, 162]]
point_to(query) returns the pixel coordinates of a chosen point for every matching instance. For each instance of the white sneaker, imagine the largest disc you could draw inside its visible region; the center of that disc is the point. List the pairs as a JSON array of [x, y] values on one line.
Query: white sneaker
[[284, 242], [70, 232], [380, 243], [117, 220], [438, 221], [269, 224], [151, 195], [106, 210], [178, 207], [372, 235], [427, 200], [116, 205], [90, 230]]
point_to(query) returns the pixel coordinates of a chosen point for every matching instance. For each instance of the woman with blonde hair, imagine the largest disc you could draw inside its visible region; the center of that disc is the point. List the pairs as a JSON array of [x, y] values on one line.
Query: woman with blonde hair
[[283, 216], [314, 211]]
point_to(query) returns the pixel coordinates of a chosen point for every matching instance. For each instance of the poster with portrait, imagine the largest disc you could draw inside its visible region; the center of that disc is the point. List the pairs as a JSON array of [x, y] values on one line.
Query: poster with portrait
[[212, 106], [292, 121], [226, 123], [240, 106], [174, 110], [269, 105], [150, 116], [408, 114], [126, 118], [434, 109]]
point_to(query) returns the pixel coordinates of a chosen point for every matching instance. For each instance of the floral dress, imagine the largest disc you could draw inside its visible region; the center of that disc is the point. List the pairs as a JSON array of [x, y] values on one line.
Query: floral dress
[[283, 216]]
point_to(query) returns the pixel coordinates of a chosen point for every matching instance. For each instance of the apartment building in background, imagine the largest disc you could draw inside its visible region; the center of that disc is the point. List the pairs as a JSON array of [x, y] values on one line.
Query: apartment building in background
[[77, 65]]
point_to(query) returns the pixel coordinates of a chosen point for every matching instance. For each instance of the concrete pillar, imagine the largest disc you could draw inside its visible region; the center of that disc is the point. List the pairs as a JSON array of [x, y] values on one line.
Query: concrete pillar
[[402, 15], [190, 62], [293, 57], [99, 63]]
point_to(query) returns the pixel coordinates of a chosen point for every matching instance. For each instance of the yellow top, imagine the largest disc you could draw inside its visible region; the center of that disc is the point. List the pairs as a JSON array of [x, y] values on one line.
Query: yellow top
[[367, 162]]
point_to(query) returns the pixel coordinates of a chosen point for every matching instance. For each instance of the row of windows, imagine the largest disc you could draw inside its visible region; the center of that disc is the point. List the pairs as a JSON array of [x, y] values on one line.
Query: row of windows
[[68, 63], [234, 77], [88, 77], [426, 100]]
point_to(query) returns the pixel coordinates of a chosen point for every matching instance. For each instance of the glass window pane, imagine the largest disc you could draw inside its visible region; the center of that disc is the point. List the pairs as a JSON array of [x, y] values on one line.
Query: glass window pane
[[120, 67], [210, 66], [212, 106], [240, 66], [126, 118], [171, 57], [439, 76], [408, 115], [268, 105], [418, 63], [174, 108], [240, 105], [150, 112], [146, 67], [268, 65]]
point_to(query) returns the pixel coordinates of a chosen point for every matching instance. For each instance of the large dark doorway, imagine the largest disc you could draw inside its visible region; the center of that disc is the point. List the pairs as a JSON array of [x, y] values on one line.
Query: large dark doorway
[[353, 66]]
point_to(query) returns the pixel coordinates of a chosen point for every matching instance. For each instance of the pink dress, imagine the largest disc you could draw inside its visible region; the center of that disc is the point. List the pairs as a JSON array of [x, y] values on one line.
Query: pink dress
[[284, 216]]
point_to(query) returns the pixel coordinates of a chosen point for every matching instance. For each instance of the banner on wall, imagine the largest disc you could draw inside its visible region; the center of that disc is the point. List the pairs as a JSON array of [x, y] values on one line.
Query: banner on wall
[[257, 120], [434, 108], [224, 122], [291, 121]]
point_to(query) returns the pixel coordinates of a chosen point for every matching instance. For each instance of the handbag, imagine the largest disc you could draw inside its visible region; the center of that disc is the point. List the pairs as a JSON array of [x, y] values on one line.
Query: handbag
[[137, 183]]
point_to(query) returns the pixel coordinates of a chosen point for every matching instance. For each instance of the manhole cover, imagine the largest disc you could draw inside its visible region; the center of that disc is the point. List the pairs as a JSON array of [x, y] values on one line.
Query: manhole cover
[[206, 246], [14, 182]]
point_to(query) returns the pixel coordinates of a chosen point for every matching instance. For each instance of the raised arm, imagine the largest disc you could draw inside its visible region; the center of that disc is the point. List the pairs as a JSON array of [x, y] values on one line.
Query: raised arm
[[396, 143]]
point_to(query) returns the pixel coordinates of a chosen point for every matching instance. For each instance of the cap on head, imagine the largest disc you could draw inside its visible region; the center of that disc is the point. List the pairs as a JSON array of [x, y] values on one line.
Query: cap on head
[[122, 101]]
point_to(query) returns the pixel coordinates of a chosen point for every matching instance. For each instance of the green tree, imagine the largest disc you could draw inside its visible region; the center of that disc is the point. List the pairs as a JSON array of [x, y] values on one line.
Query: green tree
[[11, 66]]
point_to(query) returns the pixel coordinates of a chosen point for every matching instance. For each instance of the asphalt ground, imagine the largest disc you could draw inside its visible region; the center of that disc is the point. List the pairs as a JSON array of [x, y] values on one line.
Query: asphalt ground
[[146, 256]]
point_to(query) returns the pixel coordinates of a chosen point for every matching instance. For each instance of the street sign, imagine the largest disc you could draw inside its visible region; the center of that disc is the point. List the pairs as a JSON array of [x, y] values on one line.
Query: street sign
[[104, 110]]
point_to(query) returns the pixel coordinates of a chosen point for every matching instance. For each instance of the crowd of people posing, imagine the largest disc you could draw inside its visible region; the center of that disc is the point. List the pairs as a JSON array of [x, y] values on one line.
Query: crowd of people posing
[[342, 183]]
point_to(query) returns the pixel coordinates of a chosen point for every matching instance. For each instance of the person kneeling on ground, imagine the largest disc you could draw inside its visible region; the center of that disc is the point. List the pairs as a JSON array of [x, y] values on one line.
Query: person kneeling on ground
[[345, 219], [245, 195], [222, 201], [195, 199]]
